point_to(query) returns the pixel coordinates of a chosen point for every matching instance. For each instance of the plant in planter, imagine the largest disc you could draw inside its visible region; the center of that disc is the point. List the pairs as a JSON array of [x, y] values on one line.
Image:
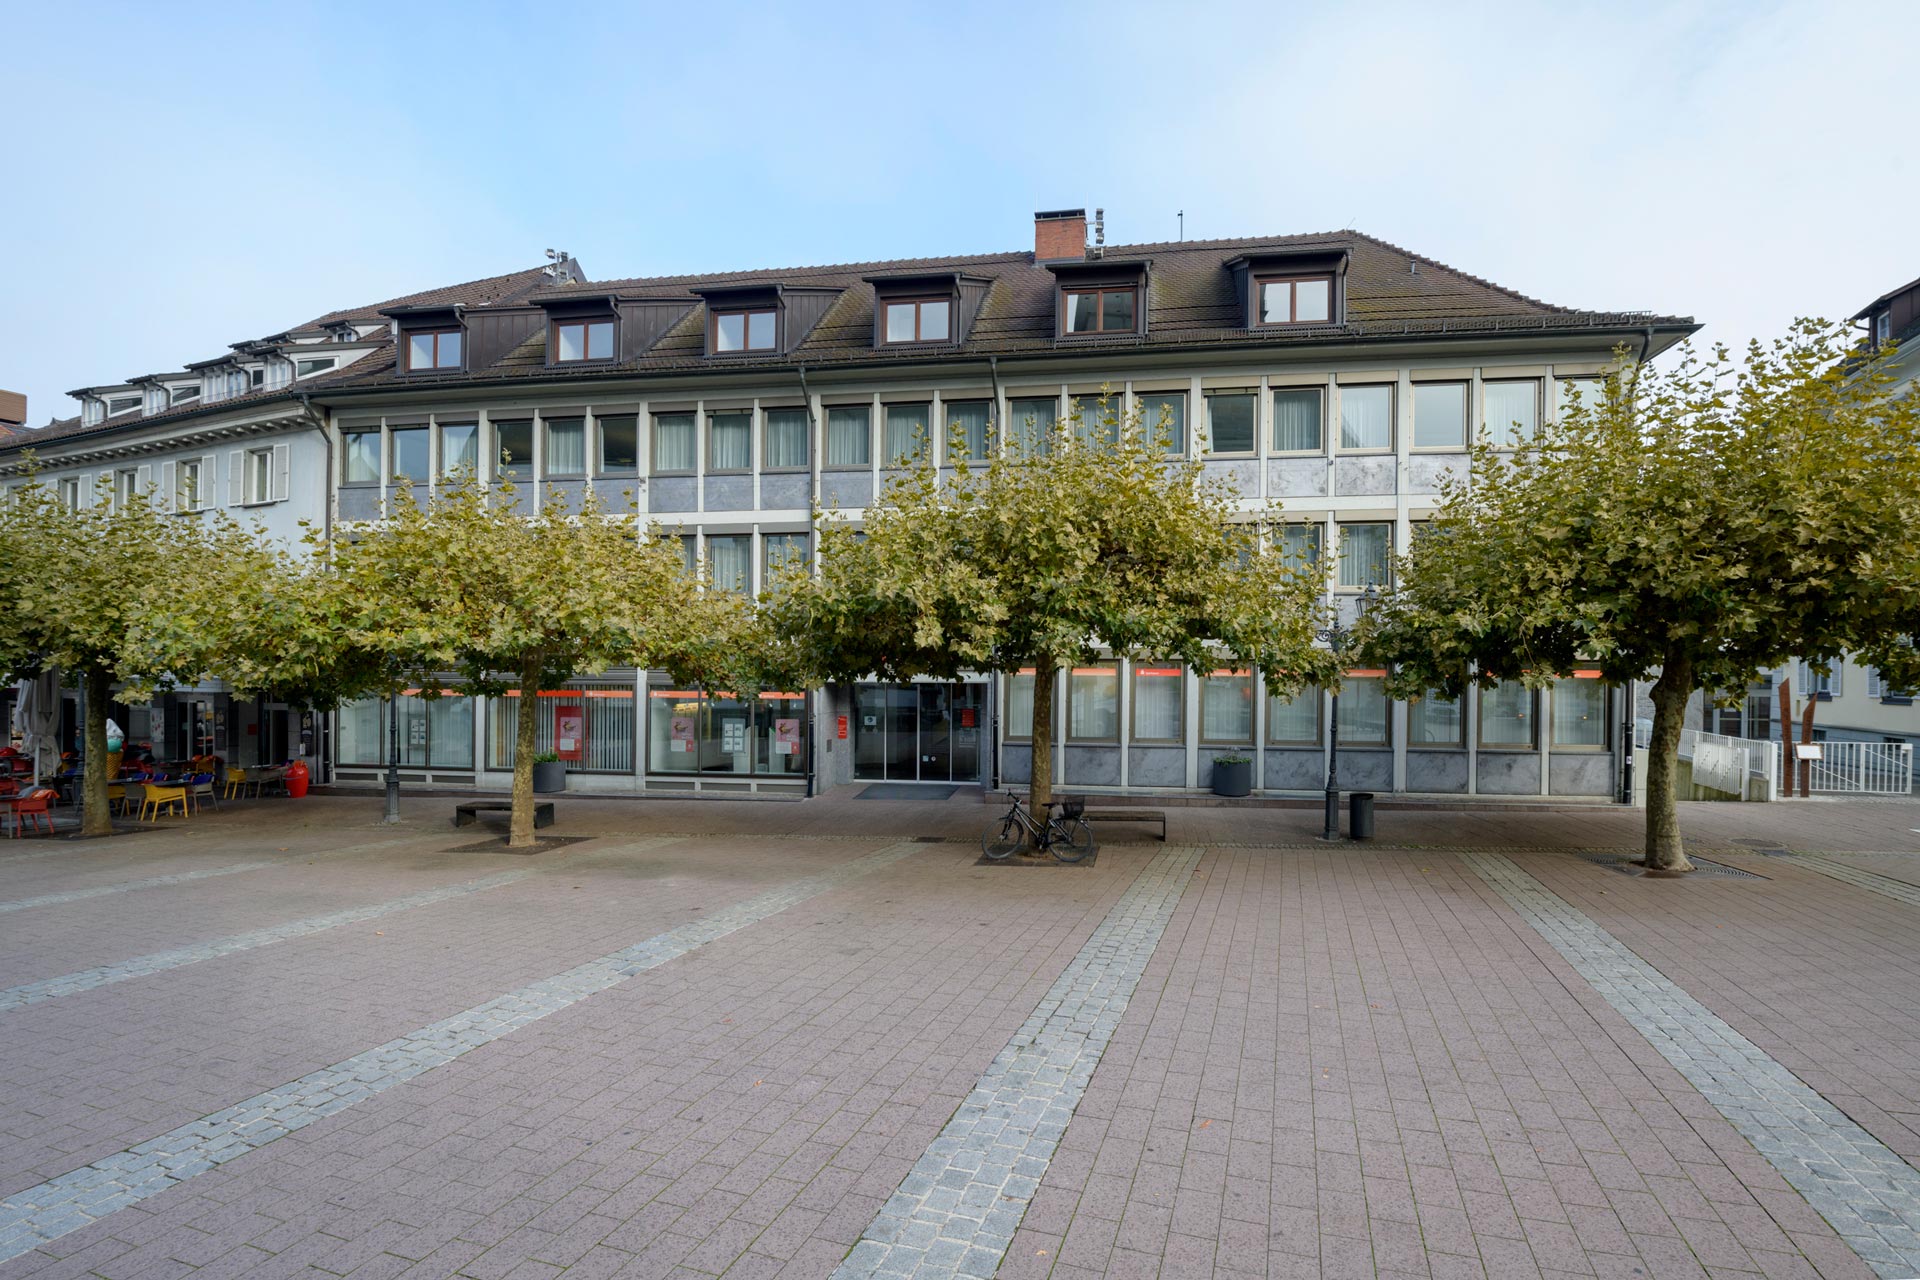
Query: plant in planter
[[1232, 775], [549, 772]]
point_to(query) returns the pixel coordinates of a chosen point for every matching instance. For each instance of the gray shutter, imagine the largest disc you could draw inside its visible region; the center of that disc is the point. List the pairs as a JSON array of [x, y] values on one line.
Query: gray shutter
[[143, 481], [168, 497], [209, 468], [236, 477], [107, 478], [282, 460]]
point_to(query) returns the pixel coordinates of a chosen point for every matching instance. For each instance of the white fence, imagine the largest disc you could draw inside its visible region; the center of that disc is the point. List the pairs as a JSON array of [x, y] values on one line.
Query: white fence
[[1852, 768], [1863, 768]]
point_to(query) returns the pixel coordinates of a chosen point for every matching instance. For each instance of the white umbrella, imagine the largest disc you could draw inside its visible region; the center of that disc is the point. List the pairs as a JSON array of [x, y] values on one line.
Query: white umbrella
[[36, 717]]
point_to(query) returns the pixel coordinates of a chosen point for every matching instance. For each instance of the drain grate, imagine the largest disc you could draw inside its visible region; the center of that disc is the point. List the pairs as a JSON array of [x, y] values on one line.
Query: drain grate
[[1629, 865]]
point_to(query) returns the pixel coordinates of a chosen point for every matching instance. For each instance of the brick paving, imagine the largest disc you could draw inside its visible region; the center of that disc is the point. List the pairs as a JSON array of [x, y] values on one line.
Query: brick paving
[[1335, 1061]]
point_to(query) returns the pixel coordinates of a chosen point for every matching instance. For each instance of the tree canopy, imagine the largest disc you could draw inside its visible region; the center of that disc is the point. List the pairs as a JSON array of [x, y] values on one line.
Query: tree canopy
[[1696, 526]]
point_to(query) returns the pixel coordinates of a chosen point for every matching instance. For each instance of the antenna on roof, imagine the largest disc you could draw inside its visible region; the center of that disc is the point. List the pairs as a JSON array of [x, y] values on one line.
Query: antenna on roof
[[1099, 249], [1183, 224], [560, 271]]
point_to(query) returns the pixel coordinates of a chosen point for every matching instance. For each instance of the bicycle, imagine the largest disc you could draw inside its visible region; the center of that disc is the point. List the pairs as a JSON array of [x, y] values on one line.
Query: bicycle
[[1067, 837]]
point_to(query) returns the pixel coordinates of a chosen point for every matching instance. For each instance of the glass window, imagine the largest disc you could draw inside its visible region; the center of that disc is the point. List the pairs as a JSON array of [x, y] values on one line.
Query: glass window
[[1307, 301], [516, 447], [1093, 702], [1363, 709], [1513, 410], [1296, 420], [1226, 707], [919, 320], [303, 368], [1434, 721], [459, 447], [1033, 424], [673, 444], [1366, 417], [1020, 704], [907, 435], [1165, 412], [1159, 702], [588, 724], [410, 454], [743, 330], [362, 456], [1230, 421], [583, 340], [1506, 715], [435, 733], [782, 554], [729, 441], [730, 559], [1294, 721], [1300, 544], [968, 424], [619, 443], [1100, 310], [1366, 552], [849, 435], [784, 439], [689, 731], [432, 350], [1440, 415], [191, 492], [566, 447], [1580, 711], [1590, 393]]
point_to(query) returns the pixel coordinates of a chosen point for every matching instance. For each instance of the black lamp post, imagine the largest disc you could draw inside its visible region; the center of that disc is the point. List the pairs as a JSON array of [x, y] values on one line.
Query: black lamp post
[[393, 759], [1336, 637]]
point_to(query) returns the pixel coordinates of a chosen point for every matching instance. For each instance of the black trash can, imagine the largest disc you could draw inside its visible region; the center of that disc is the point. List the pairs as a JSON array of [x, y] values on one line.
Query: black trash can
[[1360, 815]]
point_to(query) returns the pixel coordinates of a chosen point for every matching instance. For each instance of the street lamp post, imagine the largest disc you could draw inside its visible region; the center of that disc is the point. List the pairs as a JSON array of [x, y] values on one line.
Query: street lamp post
[[1336, 636], [393, 760]]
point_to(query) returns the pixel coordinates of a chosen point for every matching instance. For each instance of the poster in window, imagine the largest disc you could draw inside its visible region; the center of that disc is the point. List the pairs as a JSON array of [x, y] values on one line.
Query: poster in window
[[569, 733], [786, 737], [733, 734], [682, 734]]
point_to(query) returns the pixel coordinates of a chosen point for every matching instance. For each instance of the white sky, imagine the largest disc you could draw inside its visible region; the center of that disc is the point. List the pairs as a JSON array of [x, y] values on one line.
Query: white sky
[[176, 186]]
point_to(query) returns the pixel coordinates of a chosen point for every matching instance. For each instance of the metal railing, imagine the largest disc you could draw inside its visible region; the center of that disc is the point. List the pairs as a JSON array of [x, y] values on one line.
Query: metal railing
[[1744, 767], [1863, 768]]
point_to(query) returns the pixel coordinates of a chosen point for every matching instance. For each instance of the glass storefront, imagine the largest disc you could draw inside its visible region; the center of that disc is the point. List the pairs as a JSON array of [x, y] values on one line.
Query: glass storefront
[[587, 723], [435, 733], [690, 731], [919, 732]]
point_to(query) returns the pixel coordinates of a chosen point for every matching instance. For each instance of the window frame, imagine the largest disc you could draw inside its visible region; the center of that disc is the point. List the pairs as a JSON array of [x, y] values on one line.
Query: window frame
[[438, 366], [586, 328], [319, 365], [1316, 562], [1580, 675], [1393, 420], [1480, 720], [1507, 442], [1098, 292], [1006, 707], [1318, 695], [1465, 389], [795, 567], [712, 419], [440, 429], [390, 473], [546, 452], [1105, 666], [918, 303], [519, 468], [988, 436], [1148, 402], [746, 346], [1340, 554], [189, 487], [865, 408], [183, 395], [1134, 735], [252, 495], [929, 438], [129, 403], [1250, 394], [806, 444], [1273, 442], [653, 453], [379, 457], [1459, 742], [1293, 283], [1229, 673], [1385, 741]]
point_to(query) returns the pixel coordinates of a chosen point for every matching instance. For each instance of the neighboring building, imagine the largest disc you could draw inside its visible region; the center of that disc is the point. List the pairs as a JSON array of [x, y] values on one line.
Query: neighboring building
[[1334, 373], [13, 413]]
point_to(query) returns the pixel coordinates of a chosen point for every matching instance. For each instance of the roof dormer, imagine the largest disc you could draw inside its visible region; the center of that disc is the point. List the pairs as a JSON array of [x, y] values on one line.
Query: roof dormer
[[1291, 288], [582, 331], [925, 309], [429, 339], [1100, 298], [745, 320]]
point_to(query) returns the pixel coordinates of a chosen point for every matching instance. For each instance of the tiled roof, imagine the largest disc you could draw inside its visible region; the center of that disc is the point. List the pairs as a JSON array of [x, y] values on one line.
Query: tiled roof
[[492, 291]]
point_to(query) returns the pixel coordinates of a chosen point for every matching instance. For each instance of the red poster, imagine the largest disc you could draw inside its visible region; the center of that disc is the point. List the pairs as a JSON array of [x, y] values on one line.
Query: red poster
[[843, 728], [570, 733], [966, 717]]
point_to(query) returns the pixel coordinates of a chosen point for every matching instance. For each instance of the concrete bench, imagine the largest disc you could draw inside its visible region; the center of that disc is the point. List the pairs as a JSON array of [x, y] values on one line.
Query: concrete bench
[[1094, 816], [465, 815]]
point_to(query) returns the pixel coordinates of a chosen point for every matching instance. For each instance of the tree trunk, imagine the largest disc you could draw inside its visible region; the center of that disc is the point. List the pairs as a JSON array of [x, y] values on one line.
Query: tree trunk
[[526, 736], [1670, 693], [95, 820], [1043, 673]]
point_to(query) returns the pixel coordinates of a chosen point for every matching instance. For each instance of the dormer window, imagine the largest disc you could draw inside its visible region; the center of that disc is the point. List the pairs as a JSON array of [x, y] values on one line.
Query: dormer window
[[122, 404], [582, 340], [919, 320], [433, 349], [1110, 310], [1883, 328], [1296, 300], [306, 368], [181, 395], [744, 330]]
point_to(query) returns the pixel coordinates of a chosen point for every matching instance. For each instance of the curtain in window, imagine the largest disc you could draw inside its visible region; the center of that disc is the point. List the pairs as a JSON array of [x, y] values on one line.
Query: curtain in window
[[730, 447], [1579, 713], [1364, 553], [1300, 543], [907, 434], [1435, 721], [1165, 412], [1032, 430], [1363, 711], [1295, 720], [361, 736], [450, 733], [566, 447], [967, 425], [1440, 415], [786, 437], [1296, 421], [606, 725], [1093, 702], [732, 560], [673, 442], [849, 436], [1513, 410], [1020, 705], [363, 457], [1226, 707], [1366, 417], [459, 448], [1590, 392], [1158, 703], [782, 555], [1506, 715]]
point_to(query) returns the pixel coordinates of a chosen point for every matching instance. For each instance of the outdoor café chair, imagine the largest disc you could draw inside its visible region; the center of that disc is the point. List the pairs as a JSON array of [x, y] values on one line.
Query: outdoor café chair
[[159, 798], [35, 804], [200, 790], [236, 782]]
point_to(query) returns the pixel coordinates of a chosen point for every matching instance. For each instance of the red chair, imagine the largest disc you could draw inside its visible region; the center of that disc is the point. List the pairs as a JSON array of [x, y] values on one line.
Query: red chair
[[33, 805]]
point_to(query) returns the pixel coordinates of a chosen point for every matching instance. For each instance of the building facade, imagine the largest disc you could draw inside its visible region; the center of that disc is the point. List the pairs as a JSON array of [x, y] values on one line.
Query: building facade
[[1335, 376]]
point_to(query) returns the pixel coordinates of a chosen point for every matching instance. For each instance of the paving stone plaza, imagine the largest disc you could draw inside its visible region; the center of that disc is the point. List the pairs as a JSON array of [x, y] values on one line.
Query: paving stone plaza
[[758, 1039]]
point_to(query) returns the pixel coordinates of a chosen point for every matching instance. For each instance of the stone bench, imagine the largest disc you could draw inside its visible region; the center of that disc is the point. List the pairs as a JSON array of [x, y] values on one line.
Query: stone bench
[[465, 815], [1094, 816]]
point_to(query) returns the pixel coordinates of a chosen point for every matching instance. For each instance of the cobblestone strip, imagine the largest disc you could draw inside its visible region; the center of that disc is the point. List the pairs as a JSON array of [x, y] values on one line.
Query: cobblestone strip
[[152, 882], [1872, 881], [72, 1200], [1869, 1194], [955, 1213]]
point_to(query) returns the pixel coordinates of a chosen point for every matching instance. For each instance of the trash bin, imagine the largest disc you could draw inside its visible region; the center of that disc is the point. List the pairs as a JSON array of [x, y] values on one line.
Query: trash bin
[[1360, 815]]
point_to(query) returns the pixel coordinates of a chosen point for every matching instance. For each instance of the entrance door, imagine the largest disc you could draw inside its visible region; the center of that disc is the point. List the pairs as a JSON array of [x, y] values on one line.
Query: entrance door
[[870, 731], [902, 709], [936, 732]]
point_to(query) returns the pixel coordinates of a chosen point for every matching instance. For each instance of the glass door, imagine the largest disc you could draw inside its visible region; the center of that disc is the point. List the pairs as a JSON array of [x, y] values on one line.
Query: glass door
[[870, 731], [969, 730], [936, 732], [902, 709]]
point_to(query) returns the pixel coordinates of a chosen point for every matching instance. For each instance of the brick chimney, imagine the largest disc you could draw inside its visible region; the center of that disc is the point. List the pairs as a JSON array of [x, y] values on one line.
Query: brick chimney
[[1058, 234]]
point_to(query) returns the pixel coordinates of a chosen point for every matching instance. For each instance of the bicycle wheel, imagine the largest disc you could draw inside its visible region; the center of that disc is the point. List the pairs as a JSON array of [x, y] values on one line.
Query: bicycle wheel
[[1003, 839], [1072, 839]]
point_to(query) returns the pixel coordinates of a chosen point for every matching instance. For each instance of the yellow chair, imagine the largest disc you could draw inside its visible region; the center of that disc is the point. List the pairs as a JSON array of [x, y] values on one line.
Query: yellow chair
[[236, 781], [159, 798]]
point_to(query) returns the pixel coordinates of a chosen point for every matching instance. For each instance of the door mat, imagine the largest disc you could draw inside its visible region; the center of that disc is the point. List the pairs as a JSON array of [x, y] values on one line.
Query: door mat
[[906, 791], [1046, 860], [499, 845]]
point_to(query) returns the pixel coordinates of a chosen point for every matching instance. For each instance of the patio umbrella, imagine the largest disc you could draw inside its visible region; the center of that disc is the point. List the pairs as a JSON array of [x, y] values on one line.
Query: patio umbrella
[[36, 717]]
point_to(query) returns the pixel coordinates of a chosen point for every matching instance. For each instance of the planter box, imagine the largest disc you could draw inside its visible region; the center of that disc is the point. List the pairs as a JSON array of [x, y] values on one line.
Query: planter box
[[1232, 779], [550, 775]]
